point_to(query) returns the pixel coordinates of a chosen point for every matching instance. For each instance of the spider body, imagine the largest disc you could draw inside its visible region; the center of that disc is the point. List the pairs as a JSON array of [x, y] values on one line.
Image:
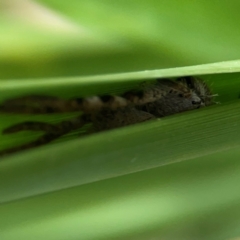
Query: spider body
[[163, 98]]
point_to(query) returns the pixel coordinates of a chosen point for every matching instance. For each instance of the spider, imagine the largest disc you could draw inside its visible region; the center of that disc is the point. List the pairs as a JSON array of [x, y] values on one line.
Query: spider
[[156, 100]]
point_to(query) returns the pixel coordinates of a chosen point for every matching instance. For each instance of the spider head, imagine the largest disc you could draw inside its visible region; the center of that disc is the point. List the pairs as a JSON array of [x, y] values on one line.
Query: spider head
[[201, 93]]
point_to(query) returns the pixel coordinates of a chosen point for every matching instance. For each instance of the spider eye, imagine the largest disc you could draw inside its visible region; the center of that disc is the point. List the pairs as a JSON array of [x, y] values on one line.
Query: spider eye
[[194, 102], [189, 82]]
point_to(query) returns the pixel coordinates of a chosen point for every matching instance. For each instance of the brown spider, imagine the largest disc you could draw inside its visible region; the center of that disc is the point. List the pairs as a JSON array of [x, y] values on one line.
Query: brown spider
[[163, 98]]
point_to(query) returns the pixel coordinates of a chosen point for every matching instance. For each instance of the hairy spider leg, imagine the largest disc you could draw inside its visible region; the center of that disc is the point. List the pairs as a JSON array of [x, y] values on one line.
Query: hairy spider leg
[[31, 126], [36, 104], [53, 131]]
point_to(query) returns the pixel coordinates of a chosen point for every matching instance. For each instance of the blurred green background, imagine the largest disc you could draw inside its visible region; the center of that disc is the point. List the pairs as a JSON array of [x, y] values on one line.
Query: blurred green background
[[60, 38]]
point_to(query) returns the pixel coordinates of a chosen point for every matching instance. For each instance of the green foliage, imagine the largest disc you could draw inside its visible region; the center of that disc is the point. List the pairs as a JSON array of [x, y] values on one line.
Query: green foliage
[[131, 35], [175, 178]]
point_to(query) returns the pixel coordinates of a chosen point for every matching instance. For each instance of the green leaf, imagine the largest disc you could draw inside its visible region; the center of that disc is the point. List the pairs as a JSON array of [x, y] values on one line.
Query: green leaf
[[197, 199], [135, 148], [173, 178]]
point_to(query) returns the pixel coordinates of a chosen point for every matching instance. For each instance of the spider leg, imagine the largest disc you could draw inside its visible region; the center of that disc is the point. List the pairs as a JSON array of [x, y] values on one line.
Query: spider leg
[[36, 104], [46, 138], [53, 132], [30, 126], [31, 98]]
